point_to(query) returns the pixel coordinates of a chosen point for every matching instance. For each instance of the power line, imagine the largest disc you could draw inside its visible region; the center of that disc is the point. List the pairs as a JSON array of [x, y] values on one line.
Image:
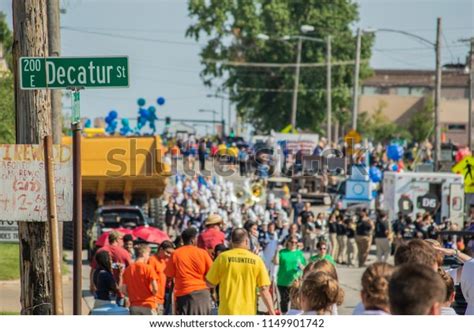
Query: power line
[[277, 65], [127, 37], [447, 46]]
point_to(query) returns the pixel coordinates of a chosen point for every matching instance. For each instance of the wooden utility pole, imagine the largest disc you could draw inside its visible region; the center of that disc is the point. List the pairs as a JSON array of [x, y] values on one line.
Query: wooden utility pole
[[329, 91], [355, 91], [437, 101], [33, 122]]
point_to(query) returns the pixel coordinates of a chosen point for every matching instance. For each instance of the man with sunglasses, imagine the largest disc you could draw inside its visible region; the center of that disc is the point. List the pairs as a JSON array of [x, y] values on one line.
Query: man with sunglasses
[[158, 263]]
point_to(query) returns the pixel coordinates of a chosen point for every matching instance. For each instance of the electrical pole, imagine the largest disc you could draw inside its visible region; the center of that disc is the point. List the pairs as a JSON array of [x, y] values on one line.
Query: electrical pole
[[33, 122], [355, 93], [294, 104], [54, 47], [329, 90], [437, 103], [54, 37], [470, 96]]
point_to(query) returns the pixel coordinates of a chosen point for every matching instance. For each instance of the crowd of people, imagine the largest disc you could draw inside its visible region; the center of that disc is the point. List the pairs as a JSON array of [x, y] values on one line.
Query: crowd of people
[[225, 255]]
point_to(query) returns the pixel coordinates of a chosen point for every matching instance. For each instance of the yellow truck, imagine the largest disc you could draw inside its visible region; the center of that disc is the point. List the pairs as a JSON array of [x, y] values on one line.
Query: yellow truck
[[121, 171]]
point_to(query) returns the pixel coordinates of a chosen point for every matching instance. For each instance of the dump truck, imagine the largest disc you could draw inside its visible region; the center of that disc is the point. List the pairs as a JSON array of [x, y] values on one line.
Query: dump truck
[[119, 170]]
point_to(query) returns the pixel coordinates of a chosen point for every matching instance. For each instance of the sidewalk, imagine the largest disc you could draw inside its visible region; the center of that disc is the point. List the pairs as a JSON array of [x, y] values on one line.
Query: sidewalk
[[10, 291]]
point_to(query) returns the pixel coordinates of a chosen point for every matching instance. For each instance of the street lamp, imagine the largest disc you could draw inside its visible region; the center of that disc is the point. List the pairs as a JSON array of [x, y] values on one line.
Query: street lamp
[[213, 118], [437, 48], [222, 97]]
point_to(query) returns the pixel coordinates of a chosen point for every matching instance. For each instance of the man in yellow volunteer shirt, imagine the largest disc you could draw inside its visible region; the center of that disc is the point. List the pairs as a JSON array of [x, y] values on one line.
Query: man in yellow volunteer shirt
[[239, 273]]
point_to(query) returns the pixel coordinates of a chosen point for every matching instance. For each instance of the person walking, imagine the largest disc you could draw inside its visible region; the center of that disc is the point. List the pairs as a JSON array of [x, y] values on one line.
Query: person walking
[[158, 263], [332, 228], [188, 266], [341, 240], [291, 263], [382, 233], [351, 242], [243, 158], [139, 284], [239, 273], [212, 235], [202, 153], [364, 238]]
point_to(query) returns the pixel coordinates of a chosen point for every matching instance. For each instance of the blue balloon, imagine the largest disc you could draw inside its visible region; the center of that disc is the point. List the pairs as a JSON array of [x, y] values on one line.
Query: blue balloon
[[394, 152], [395, 167], [141, 102], [375, 174], [151, 109], [160, 101], [88, 123]]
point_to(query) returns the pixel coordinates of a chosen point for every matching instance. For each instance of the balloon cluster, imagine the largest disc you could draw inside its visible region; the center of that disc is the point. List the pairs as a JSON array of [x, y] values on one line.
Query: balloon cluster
[[112, 122], [147, 115], [395, 152]]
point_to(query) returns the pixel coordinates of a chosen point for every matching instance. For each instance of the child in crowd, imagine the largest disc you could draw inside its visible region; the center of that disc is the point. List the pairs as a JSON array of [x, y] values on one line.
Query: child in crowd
[[319, 292]]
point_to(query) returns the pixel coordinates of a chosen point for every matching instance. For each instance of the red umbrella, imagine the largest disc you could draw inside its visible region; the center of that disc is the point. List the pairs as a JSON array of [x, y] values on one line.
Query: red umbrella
[[150, 234], [104, 237]]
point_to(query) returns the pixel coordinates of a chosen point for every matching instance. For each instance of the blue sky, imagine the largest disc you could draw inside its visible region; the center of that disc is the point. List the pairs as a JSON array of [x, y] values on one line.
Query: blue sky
[[165, 63]]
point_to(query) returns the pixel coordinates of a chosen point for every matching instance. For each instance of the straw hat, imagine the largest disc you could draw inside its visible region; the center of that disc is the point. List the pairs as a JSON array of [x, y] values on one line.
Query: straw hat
[[213, 219]]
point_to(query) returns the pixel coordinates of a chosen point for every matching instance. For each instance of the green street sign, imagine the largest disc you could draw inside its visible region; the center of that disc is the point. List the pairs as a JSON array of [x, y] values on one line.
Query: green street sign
[[65, 72]]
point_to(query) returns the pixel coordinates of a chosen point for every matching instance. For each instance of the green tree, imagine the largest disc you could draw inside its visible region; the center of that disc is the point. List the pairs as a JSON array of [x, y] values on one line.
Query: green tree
[[7, 113], [6, 39], [378, 127], [263, 95], [421, 123]]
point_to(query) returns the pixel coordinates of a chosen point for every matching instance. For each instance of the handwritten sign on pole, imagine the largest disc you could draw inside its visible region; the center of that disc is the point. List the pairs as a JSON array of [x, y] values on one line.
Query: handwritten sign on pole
[[23, 183]]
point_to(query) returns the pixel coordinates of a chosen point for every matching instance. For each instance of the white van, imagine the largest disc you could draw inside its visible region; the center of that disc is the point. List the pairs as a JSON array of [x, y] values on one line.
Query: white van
[[441, 194]]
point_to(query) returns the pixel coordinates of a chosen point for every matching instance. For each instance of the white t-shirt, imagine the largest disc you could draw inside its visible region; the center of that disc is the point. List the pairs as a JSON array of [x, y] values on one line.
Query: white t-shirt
[[375, 312], [359, 309], [294, 312], [447, 311]]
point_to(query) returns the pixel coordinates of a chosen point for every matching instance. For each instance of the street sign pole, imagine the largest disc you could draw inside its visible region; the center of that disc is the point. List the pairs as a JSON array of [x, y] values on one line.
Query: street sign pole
[[77, 200]]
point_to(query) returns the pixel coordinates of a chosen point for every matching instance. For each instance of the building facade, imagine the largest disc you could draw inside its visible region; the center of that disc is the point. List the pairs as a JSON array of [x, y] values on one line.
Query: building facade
[[401, 93]]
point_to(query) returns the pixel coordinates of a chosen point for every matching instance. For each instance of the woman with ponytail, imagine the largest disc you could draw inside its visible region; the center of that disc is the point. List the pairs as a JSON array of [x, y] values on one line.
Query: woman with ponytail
[[319, 292], [374, 292]]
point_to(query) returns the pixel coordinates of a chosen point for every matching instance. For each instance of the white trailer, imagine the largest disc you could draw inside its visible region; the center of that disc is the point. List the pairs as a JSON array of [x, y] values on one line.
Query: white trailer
[[441, 194]]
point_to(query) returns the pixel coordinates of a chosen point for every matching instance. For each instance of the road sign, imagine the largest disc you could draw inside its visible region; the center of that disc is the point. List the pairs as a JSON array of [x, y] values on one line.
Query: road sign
[[64, 72], [466, 168], [8, 232], [351, 138], [23, 189]]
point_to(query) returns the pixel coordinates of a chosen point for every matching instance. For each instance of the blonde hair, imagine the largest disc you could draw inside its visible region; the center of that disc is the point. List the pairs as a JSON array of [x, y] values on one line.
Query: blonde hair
[[321, 266], [320, 291], [375, 280]]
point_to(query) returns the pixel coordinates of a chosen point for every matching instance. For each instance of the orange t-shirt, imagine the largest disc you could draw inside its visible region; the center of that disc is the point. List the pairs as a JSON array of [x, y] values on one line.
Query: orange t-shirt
[[188, 266], [159, 266], [138, 277]]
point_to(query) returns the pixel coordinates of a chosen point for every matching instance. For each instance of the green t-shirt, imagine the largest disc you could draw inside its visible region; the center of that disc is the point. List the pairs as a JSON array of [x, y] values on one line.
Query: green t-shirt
[[289, 270], [318, 257]]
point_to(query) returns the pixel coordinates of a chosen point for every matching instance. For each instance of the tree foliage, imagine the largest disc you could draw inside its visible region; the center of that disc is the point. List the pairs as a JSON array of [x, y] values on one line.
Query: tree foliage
[[7, 112], [230, 29], [421, 123], [377, 127]]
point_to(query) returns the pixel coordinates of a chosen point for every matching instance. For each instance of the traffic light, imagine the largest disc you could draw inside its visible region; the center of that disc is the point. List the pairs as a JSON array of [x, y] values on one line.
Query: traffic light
[[167, 121]]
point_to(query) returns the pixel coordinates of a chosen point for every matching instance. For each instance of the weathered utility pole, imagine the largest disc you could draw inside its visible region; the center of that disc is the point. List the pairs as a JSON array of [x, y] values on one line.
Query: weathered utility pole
[[469, 95], [329, 90], [355, 92], [437, 101], [54, 46], [294, 104], [33, 122]]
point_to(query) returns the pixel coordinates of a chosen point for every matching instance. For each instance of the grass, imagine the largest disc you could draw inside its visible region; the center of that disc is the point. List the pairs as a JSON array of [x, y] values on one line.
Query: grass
[[9, 261], [9, 313]]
